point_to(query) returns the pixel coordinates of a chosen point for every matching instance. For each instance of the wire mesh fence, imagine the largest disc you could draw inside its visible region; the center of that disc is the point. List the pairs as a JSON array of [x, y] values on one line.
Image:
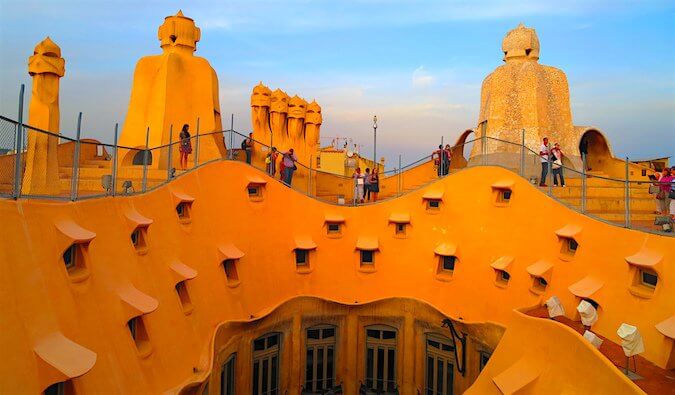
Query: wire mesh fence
[[53, 166], [8, 149]]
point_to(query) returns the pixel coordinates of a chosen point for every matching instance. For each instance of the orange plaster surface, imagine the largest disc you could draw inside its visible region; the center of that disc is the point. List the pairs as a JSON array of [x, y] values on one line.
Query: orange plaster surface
[[38, 298]]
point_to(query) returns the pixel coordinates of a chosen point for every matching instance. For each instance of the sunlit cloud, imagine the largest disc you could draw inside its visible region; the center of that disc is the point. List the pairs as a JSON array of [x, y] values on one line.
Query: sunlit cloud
[[421, 78]]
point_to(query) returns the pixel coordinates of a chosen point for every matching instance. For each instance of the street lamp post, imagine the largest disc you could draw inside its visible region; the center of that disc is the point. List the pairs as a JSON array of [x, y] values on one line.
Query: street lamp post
[[375, 140]]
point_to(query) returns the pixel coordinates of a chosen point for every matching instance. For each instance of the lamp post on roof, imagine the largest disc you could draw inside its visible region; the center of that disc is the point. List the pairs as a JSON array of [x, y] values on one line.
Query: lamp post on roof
[[374, 140]]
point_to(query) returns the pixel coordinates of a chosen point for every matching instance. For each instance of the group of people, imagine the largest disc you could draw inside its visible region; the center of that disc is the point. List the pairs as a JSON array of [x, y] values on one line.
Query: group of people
[[287, 164], [442, 157], [554, 155], [366, 185], [665, 192]]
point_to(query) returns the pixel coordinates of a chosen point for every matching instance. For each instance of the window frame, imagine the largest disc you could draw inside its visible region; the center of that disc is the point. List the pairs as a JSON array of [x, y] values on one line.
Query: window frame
[[260, 357], [325, 344], [387, 346], [446, 356], [229, 364]]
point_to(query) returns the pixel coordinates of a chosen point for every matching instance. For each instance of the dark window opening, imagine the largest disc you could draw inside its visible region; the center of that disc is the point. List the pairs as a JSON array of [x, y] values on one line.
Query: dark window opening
[[572, 245], [649, 278], [253, 191], [367, 257], [184, 296], [266, 365], [138, 238], [333, 228], [183, 210], [73, 257], [504, 275], [527, 52], [301, 257], [542, 282], [505, 195], [227, 376], [319, 362], [483, 360], [433, 204], [231, 270], [449, 262], [139, 158], [400, 229]]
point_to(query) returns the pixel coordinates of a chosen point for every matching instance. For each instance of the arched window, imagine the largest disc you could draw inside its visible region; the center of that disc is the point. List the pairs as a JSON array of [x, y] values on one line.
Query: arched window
[[381, 359], [227, 376], [320, 361], [266, 364], [439, 365]]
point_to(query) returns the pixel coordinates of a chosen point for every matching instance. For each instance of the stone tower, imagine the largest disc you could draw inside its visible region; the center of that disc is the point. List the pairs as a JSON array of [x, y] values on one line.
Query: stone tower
[[46, 66], [174, 88], [523, 94]]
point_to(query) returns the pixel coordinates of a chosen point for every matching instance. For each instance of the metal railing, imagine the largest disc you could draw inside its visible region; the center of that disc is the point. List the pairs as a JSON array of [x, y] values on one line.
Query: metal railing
[[88, 168]]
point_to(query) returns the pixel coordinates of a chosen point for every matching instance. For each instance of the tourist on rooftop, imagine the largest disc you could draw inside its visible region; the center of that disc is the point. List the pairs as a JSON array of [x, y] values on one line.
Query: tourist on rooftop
[[441, 159], [448, 158], [288, 162], [375, 183], [543, 155], [359, 182], [366, 185], [665, 187], [271, 162], [672, 193], [185, 147], [247, 146], [557, 166]]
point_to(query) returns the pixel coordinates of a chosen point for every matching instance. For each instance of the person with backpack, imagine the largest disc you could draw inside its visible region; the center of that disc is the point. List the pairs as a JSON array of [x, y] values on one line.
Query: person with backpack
[[288, 161], [247, 147]]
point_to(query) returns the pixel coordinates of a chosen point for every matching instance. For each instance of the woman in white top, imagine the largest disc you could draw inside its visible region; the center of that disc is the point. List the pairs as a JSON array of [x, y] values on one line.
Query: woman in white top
[[359, 182], [556, 166]]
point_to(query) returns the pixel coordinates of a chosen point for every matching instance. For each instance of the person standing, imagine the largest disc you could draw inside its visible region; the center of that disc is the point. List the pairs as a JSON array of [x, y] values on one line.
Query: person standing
[[448, 158], [366, 185], [185, 147], [544, 152], [359, 182], [288, 161], [663, 196], [247, 146], [557, 166], [438, 160], [271, 162], [375, 183]]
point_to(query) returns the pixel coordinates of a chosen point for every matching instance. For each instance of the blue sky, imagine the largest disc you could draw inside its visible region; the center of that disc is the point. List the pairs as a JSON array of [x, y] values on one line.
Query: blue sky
[[417, 65]]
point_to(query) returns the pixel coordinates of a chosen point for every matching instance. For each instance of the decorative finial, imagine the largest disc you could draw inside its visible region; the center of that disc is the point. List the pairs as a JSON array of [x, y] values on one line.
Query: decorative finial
[[180, 13]]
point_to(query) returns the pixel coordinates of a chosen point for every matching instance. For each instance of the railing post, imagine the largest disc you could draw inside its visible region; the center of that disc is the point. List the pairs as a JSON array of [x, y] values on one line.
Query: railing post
[[197, 147], [522, 154], [144, 182], [400, 177], [76, 161], [18, 147], [583, 183], [113, 187], [549, 182], [309, 176], [483, 142], [170, 166], [231, 153], [627, 204]]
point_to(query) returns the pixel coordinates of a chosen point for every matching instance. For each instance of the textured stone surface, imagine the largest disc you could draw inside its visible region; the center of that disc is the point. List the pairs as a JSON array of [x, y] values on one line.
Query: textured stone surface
[[523, 94]]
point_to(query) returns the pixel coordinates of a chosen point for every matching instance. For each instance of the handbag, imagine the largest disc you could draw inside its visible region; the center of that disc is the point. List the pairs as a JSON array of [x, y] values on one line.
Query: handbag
[[662, 220], [557, 164], [653, 189]]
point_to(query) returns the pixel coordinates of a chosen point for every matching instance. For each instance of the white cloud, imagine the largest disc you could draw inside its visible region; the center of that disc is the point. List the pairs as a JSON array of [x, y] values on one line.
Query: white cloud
[[421, 78]]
